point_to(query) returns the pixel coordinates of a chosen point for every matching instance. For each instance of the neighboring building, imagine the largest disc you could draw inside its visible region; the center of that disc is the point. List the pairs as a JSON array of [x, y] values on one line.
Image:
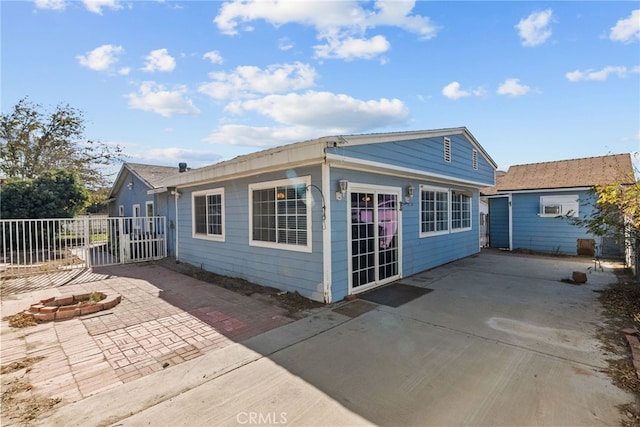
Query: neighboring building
[[137, 192], [333, 216], [527, 201]]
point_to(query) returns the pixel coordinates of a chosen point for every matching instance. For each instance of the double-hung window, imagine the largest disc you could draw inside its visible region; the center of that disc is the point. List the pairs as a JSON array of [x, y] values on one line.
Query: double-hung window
[[208, 214], [434, 211], [460, 211], [280, 215]]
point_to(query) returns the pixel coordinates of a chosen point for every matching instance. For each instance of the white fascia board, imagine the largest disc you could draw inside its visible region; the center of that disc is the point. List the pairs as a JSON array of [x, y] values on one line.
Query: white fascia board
[[157, 190], [271, 160], [339, 161], [544, 190], [117, 183]]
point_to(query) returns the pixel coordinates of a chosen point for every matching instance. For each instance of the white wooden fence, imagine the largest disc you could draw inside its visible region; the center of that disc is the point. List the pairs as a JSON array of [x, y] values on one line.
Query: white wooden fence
[[45, 246]]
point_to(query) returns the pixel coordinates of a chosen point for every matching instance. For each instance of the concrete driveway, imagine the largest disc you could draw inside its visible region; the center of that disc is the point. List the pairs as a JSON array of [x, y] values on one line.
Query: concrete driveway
[[499, 341]]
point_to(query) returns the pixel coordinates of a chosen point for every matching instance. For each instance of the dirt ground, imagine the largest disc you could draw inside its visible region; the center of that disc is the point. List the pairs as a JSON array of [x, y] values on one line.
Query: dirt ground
[[620, 302], [19, 405], [292, 301], [621, 308]]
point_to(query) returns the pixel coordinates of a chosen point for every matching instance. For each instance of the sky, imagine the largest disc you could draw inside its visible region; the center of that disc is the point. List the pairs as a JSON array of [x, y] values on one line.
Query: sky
[[205, 81]]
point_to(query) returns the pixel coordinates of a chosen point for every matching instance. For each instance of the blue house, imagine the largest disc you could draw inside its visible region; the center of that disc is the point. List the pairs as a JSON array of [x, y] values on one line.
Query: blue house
[[333, 216], [137, 192], [530, 203]]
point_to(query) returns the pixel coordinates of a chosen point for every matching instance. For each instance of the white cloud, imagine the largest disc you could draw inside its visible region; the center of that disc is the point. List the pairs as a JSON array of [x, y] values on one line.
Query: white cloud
[[534, 29], [326, 110], [154, 97], [453, 91], [627, 30], [159, 60], [342, 24], [96, 6], [124, 71], [254, 136], [634, 137], [351, 48], [601, 75], [285, 44], [213, 56], [51, 4], [512, 87], [101, 58], [171, 156], [247, 81]]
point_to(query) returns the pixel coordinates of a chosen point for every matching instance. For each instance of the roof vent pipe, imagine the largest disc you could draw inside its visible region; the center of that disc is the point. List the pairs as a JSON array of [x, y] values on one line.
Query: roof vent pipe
[[182, 167]]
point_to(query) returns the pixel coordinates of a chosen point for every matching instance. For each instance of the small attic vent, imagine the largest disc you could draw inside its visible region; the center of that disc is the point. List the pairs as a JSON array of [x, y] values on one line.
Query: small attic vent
[[474, 159], [447, 150]]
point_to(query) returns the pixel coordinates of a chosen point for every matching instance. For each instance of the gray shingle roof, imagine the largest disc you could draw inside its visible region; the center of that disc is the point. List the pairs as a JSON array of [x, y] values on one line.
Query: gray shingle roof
[[153, 175]]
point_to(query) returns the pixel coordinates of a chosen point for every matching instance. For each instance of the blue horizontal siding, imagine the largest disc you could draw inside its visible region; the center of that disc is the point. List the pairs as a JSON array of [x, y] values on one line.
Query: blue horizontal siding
[[126, 197], [427, 155], [424, 253], [283, 269], [546, 234], [418, 253]]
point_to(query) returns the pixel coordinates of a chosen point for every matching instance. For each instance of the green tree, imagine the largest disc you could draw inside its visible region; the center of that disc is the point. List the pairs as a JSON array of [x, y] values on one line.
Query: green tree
[[33, 142], [616, 214], [54, 194], [98, 201]]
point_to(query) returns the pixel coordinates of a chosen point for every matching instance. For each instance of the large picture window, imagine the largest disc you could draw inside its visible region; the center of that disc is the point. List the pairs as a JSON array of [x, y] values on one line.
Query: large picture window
[[434, 210], [280, 216], [208, 214]]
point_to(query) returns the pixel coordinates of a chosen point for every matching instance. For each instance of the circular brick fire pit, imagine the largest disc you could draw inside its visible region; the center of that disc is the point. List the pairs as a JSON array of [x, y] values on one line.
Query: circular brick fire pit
[[66, 307]]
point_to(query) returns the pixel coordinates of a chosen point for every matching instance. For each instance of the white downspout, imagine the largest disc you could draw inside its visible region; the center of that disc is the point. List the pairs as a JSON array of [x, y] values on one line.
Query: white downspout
[[510, 223], [176, 195], [325, 175]]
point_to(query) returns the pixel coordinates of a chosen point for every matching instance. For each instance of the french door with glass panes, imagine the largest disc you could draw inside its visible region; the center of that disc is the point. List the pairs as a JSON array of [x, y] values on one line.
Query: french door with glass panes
[[375, 238]]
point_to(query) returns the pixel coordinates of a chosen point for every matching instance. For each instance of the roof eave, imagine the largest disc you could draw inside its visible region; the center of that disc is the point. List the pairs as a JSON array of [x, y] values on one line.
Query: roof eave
[[308, 152]]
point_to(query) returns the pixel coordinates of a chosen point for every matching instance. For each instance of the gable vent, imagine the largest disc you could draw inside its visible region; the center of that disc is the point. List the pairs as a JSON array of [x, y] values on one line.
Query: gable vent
[[447, 150], [474, 159]]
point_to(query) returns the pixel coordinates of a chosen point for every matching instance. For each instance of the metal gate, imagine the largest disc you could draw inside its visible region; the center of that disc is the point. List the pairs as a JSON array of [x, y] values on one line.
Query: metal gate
[[35, 247]]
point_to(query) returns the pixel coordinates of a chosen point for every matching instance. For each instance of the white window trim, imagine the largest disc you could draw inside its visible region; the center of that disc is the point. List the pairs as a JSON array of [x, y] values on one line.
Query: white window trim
[[304, 180], [567, 203], [437, 232], [149, 217], [135, 213], [462, 229], [450, 229], [205, 193], [121, 210]]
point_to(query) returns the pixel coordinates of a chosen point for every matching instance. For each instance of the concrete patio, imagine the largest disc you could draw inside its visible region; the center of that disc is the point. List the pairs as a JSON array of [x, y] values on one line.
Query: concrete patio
[[500, 340]]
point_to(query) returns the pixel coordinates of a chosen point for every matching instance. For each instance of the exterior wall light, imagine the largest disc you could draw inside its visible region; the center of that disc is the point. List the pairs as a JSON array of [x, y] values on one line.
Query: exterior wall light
[[409, 196], [344, 184]]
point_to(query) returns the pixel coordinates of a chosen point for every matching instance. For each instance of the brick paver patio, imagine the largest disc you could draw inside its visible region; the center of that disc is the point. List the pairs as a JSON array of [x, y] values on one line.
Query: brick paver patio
[[164, 319]]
